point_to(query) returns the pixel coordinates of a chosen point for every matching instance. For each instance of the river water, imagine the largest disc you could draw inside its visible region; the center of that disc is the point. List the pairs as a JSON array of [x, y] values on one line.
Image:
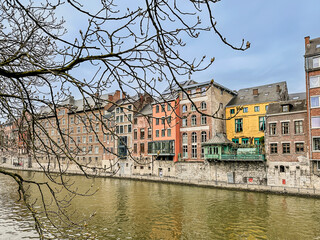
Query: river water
[[145, 210]]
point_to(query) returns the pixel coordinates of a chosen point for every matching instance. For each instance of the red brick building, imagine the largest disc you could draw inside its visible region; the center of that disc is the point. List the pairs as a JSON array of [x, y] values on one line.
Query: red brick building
[[312, 68]]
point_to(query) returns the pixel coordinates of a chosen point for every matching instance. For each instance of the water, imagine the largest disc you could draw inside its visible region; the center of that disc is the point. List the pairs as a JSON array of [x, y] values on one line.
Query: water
[[142, 210]]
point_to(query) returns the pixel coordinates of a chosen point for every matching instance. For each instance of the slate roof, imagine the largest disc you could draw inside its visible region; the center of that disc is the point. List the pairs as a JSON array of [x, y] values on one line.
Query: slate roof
[[146, 110], [297, 96], [219, 138], [266, 93], [193, 84], [294, 106], [312, 49]]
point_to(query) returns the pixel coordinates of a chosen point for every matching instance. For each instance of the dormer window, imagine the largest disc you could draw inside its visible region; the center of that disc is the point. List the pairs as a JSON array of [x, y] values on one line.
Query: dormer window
[[285, 108]]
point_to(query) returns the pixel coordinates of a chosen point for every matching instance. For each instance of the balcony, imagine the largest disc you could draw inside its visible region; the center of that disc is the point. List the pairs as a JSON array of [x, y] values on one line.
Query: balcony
[[161, 148]]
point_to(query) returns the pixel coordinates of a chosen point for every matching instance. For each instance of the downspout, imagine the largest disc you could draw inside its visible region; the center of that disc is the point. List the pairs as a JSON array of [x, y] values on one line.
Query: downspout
[[309, 117]]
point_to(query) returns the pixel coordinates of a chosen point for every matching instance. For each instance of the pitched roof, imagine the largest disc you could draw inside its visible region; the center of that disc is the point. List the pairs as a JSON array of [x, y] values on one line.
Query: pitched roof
[[297, 96], [260, 94], [294, 106], [219, 138], [193, 84]]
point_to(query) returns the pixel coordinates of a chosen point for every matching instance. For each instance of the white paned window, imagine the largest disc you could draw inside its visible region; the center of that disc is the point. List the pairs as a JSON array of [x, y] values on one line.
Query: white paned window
[[315, 81]]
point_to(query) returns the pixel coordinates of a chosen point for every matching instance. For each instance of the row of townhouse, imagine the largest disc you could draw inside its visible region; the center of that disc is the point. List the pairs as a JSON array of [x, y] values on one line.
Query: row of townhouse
[[132, 133]]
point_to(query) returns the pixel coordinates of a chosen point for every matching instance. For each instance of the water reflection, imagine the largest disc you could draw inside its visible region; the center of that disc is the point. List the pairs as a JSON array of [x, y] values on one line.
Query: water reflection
[[141, 210]]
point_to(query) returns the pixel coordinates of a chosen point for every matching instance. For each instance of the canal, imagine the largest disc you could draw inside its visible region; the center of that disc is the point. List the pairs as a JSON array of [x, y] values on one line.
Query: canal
[[146, 210]]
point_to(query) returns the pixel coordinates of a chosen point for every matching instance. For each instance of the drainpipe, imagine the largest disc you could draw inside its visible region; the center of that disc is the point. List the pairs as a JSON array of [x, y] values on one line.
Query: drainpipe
[[309, 120]]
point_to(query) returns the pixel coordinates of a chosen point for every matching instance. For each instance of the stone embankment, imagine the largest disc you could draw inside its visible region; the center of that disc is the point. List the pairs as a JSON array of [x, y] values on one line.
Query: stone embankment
[[306, 192]]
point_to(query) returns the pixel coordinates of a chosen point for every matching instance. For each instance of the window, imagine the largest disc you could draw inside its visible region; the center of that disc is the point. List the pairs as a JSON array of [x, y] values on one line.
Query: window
[[203, 136], [97, 150], [157, 121], [203, 120], [194, 151], [194, 137], [78, 129], [316, 62], [141, 148], [315, 81], [193, 120], [245, 141], [130, 107], [315, 101], [203, 91], [61, 112], [267, 107], [273, 128], [298, 127], [121, 118], [141, 133], [282, 168], [193, 107], [257, 109], [135, 121], [232, 111], [117, 119], [239, 125], [97, 127], [184, 122], [245, 110], [273, 148], [315, 122], [203, 105], [169, 132], [162, 108], [129, 116], [184, 108], [285, 127], [135, 148], [157, 108], [72, 120], [163, 133], [285, 108], [185, 151], [262, 123], [78, 140], [117, 110], [316, 144], [129, 128], [157, 133], [235, 140], [162, 120], [168, 107], [299, 147], [121, 129], [184, 138], [149, 133], [84, 130], [84, 139], [90, 139], [285, 148], [169, 120], [135, 134]]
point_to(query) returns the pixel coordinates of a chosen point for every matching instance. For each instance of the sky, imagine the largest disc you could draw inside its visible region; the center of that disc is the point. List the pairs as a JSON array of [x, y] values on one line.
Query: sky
[[276, 31]]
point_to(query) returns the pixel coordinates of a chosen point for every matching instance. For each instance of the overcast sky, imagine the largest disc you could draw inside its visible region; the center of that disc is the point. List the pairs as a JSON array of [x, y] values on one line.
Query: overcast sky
[[276, 30]]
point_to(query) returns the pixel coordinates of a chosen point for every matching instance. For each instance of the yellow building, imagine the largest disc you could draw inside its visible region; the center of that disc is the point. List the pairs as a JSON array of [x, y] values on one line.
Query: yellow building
[[247, 111]]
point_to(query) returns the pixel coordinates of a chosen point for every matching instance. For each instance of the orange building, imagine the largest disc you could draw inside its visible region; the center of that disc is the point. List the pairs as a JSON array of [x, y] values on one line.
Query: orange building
[[165, 128]]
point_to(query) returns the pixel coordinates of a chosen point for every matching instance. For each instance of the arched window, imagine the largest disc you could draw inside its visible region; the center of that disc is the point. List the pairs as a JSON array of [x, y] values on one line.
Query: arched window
[[184, 138], [184, 108], [194, 145], [193, 120], [203, 136], [203, 105], [194, 137], [193, 107]]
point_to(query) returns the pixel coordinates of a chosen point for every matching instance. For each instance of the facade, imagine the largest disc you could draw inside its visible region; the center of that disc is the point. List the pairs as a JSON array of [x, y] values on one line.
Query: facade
[[245, 113], [142, 135], [286, 142], [210, 99], [165, 128], [312, 68]]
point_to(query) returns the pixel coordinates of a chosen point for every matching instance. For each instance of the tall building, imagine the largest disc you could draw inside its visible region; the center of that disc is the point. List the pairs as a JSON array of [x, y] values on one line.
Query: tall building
[[246, 111], [312, 69]]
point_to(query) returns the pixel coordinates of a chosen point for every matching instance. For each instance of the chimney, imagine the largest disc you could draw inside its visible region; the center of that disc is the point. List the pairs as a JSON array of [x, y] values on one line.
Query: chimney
[[278, 88], [255, 92], [116, 96], [307, 41], [110, 98], [123, 95]]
